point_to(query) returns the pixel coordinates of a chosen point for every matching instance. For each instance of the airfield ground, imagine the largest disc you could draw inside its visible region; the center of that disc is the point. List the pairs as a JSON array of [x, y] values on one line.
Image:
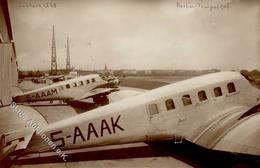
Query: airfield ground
[[151, 82], [161, 154]]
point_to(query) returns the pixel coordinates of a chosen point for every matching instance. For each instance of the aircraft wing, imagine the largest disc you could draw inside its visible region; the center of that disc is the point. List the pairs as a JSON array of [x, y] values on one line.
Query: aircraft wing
[[56, 77], [84, 105], [96, 92], [236, 131], [79, 104]]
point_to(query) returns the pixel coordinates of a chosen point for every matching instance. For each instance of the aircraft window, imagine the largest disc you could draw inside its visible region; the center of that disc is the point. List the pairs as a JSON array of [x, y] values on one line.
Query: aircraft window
[[202, 95], [93, 80], [217, 91], [74, 84], [186, 100], [231, 87], [153, 109], [81, 83], [68, 86], [169, 104], [87, 81]]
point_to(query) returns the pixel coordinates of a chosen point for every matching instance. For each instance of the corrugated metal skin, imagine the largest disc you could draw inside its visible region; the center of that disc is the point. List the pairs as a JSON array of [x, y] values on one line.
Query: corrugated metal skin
[[8, 66], [8, 73], [3, 26]]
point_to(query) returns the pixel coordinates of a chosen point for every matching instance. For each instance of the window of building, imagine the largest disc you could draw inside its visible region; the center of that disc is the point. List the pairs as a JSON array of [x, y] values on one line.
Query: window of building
[[93, 80], [68, 86], [217, 91], [87, 81], [231, 87], [202, 95], [169, 104], [153, 109], [81, 83], [74, 84], [186, 100]]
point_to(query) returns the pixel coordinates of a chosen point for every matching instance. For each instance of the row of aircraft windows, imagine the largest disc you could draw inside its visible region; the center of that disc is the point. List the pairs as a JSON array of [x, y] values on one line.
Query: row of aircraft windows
[[186, 99], [81, 83]]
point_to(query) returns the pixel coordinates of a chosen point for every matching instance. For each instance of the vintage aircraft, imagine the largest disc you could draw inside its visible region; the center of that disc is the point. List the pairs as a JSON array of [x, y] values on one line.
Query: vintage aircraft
[[90, 86], [216, 111], [49, 79]]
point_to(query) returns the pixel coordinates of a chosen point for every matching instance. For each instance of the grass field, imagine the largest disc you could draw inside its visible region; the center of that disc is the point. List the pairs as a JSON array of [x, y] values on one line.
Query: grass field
[[149, 83]]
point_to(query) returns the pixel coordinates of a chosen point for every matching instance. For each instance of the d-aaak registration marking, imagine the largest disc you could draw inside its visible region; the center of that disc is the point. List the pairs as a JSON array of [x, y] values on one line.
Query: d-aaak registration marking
[[106, 127]]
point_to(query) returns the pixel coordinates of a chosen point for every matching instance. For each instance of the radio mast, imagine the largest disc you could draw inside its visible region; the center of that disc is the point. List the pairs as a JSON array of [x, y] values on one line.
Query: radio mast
[[53, 54], [68, 56]]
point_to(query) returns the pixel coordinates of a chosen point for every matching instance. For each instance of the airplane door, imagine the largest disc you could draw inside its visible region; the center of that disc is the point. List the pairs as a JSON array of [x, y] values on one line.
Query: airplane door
[[60, 91], [155, 116]]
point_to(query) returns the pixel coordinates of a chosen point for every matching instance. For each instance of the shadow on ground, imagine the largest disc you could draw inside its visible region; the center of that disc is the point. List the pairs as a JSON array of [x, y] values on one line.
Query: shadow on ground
[[186, 152]]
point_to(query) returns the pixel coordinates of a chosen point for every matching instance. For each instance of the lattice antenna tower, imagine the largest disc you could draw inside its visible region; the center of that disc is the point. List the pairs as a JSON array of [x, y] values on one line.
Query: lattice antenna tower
[[53, 54], [68, 55]]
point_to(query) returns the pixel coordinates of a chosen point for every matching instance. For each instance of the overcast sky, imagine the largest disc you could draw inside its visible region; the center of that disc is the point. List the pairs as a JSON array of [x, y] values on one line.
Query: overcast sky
[[138, 34]]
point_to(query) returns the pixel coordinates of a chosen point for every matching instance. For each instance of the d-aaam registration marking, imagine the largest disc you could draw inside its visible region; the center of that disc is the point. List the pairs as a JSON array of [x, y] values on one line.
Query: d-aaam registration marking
[[42, 94], [106, 127]]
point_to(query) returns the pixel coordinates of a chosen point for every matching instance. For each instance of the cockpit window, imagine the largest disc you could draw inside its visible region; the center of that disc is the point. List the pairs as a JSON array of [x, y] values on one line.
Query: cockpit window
[[169, 104], [186, 100], [87, 81], [93, 80], [217, 91], [231, 87], [202, 95]]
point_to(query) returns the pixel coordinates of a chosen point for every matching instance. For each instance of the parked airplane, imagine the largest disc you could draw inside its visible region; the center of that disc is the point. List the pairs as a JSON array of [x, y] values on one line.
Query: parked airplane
[[89, 86], [217, 111], [49, 79]]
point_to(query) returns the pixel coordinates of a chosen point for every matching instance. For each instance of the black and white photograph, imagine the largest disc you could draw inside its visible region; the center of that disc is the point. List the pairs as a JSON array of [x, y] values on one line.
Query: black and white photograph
[[129, 83]]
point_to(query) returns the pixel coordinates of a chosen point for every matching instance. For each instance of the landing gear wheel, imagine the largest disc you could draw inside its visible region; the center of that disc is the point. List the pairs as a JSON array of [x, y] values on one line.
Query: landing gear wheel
[[101, 100]]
